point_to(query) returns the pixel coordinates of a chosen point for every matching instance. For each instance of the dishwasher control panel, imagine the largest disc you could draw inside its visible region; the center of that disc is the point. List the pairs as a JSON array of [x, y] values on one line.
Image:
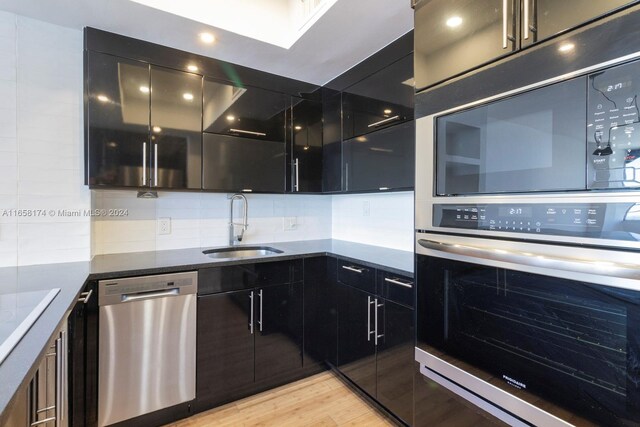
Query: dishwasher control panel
[[127, 289]]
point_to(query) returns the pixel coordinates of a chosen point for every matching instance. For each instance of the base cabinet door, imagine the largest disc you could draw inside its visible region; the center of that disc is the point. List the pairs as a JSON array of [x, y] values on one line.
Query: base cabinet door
[[395, 355], [278, 332], [356, 346], [225, 348]]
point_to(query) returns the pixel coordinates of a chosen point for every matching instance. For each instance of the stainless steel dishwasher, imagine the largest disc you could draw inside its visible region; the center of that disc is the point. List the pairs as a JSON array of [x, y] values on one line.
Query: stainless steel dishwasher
[[147, 354]]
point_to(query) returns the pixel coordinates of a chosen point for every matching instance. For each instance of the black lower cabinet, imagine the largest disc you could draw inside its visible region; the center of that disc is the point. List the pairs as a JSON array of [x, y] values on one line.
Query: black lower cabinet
[[82, 329], [225, 348], [395, 355], [249, 339], [278, 332], [376, 345], [356, 344]]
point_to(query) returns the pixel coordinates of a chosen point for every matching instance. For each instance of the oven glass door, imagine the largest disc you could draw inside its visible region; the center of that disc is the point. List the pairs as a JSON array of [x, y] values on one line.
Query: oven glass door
[[531, 142], [573, 345]]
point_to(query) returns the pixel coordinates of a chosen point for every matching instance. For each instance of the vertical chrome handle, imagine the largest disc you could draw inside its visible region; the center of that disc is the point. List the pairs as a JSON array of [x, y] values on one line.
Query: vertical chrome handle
[[504, 24], [155, 165], [297, 186], [144, 163], [346, 176], [526, 19], [260, 321], [376, 336], [251, 313], [59, 379], [369, 331]]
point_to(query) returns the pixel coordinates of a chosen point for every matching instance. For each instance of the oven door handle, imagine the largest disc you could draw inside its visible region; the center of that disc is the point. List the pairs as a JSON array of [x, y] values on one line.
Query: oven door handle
[[607, 273]]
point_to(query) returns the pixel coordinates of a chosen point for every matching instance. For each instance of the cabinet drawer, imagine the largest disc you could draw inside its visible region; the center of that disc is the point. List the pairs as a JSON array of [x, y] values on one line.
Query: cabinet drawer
[[248, 276], [396, 288], [356, 275]]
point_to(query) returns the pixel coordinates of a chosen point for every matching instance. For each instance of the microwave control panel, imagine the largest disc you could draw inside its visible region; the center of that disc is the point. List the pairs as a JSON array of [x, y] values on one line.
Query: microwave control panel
[[580, 220]]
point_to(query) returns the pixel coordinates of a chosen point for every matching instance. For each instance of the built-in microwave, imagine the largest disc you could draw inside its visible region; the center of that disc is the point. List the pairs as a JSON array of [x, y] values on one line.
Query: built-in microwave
[[555, 161]]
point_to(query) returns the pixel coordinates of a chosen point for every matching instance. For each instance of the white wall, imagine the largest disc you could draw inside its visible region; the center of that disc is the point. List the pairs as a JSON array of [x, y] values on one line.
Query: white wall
[[381, 219], [201, 220], [41, 143]]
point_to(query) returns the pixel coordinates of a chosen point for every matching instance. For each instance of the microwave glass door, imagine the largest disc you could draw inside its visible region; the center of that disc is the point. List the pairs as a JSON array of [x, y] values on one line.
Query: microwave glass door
[[574, 344], [530, 142]]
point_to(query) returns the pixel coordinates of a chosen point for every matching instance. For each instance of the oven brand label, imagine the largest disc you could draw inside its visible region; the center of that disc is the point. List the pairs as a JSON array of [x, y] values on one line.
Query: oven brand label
[[517, 384]]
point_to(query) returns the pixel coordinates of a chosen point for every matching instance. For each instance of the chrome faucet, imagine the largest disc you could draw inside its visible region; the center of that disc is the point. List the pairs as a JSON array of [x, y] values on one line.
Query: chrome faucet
[[232, 235]]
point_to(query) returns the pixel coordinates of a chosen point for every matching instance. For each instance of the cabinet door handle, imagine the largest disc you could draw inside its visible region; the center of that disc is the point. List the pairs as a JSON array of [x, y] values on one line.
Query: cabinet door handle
[[346, 176], [248, 132], [376, 336], [251, 314], [382, 122], [398, 282], [369, 331], [260, 321], [296, 165], [354, 269], [504, 24], [155, 165], [85, 296], [526, 19], [144, 163], [60, 377]]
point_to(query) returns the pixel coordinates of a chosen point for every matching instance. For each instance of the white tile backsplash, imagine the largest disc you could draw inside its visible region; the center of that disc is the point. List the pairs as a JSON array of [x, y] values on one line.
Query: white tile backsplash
[[389, 221]]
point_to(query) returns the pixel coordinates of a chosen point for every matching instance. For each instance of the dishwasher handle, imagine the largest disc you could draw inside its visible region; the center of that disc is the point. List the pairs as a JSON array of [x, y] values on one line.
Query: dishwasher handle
[[150, 295]]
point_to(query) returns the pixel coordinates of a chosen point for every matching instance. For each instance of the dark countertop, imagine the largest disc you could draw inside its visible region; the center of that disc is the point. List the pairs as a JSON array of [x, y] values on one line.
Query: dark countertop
[[20, 364]]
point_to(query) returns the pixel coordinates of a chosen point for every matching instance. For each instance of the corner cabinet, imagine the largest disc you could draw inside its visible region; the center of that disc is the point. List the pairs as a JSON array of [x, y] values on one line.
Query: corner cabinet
[[305, 150], [143, 126], [244, 138], [456, 36]]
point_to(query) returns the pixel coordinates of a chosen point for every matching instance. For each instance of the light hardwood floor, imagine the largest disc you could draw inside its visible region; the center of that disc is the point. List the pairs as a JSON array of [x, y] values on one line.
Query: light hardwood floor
[[320, 400]]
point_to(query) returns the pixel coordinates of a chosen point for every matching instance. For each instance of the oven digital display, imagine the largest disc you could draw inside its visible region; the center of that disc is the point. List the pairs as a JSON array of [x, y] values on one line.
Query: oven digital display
[[516, 211]]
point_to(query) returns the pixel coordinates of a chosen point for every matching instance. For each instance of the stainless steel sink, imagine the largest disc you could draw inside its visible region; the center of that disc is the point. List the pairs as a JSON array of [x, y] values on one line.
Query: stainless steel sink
[[241, 252]]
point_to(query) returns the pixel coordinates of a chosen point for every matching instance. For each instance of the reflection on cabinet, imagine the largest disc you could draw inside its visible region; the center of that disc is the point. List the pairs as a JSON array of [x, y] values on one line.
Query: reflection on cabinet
[[384, 160], [376, 335], [244, 139], [331, 141], [143, 125], [383, 99], [455, 36], [117, 140], [249, 333], [306, 146]]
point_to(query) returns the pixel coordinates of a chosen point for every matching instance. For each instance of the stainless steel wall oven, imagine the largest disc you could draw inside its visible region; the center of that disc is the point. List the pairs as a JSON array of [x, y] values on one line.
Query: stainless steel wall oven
[[528, 249]]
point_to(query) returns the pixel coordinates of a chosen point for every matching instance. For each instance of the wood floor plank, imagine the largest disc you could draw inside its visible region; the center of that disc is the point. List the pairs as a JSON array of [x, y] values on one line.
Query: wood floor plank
[[318, 401]]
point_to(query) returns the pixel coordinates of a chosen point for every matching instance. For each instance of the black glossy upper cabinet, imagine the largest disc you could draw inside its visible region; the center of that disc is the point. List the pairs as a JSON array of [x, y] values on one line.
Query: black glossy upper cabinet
[[244, 139], [383, 99], [117, 122], [143, 125], [176, 129], [542, 19], [331, 140], [453, 36], [384, 160], [306, 146]]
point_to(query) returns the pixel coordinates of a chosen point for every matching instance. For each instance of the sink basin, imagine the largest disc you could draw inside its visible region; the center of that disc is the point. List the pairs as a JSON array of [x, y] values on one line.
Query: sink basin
[[241, 252]]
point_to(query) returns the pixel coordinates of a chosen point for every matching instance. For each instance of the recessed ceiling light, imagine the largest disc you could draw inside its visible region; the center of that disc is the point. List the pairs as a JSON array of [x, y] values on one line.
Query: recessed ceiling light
[[103, 98], [566, 47], [207, 38], [231, 117], [192, 68], [188, 96], [454, 21], [144, 89], [387, 111], [157, 129], [297, 127]]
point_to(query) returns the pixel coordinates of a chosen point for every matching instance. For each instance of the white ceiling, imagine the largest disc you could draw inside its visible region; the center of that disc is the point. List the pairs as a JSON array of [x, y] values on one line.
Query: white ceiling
[[347, 33]]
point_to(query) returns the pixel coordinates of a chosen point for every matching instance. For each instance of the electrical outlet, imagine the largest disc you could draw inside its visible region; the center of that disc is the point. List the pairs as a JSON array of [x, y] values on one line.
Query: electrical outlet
[[164, 225], [366, 208], [289, 223]]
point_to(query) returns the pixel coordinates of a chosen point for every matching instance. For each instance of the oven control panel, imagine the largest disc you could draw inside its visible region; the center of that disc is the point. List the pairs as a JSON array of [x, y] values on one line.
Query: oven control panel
[[580, 220]]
